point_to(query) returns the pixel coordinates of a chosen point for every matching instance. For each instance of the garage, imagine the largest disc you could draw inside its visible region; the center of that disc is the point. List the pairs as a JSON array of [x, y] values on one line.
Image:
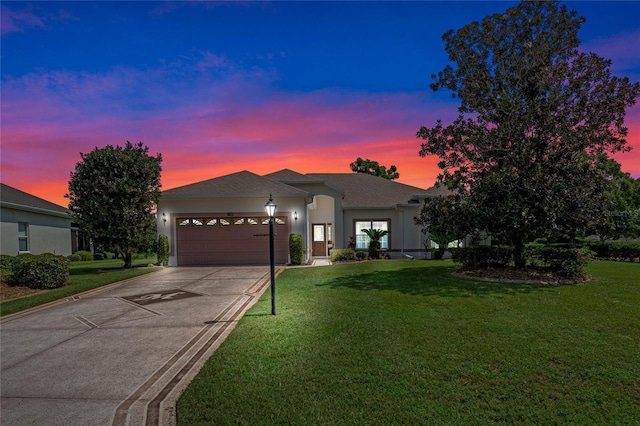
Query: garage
[[230, 240]]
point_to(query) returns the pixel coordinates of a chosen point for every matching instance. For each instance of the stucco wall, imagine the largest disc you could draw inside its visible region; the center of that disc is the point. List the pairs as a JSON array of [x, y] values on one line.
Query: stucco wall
[[404, 236], [47, 234]]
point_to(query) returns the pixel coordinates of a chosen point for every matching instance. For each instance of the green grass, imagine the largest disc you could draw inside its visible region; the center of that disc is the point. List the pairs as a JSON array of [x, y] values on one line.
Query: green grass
[[404, 342], [83, 276]]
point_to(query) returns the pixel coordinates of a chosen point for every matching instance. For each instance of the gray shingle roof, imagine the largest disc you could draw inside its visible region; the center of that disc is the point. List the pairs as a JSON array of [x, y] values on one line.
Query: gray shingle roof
[[367, 191], [236, 185], [10, 196], [289, 176]]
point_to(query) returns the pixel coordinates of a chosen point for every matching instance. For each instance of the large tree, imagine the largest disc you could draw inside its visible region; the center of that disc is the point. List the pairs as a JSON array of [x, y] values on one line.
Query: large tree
[[535, 113], [113, 194], [374, 168]]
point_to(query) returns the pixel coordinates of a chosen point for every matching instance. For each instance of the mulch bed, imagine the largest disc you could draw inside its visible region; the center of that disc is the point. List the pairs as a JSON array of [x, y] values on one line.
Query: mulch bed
[[8, 292]]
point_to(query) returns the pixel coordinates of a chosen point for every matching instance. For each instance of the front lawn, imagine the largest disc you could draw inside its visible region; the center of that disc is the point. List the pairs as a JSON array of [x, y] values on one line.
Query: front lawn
[[83, 276], [404, 342]]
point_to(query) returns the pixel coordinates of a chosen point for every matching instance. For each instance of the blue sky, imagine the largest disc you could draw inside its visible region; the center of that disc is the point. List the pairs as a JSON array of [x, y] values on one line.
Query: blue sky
[[219, 87]]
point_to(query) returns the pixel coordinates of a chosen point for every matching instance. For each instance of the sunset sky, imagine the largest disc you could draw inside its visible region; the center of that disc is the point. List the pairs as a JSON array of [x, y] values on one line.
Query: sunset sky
[[220, 87]]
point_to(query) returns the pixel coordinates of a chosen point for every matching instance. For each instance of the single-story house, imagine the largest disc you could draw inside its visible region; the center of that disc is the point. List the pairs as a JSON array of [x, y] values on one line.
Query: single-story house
[[29, 224], [222, 221]]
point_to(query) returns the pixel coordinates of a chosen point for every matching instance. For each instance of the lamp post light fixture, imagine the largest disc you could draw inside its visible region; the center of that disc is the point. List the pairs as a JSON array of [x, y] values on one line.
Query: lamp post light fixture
[[164, 218], [270, 208]]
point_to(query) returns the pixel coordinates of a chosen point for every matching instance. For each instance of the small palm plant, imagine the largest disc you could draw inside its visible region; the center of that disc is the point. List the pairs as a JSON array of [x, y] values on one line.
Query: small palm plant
[[375, 235]]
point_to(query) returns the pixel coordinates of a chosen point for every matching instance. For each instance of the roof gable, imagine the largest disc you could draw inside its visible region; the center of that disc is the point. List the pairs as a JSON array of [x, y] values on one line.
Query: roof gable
[[236, 185], [363, 190], [13, 197]]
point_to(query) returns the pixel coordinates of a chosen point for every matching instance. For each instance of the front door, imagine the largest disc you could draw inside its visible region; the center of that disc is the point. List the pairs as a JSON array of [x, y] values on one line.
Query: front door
[[319, 247]]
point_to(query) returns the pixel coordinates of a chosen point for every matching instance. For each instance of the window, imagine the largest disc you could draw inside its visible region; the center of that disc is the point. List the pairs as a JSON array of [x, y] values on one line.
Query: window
[[362, 239], [239, 221], [212, 222], [23, 236]]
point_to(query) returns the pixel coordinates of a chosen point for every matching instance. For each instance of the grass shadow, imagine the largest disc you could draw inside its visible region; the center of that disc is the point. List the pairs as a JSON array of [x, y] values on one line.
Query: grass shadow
[[432, 281]]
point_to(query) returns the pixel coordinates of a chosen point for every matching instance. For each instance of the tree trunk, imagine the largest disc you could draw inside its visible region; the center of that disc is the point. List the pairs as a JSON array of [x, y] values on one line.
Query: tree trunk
[[128, 263], [518, 255]]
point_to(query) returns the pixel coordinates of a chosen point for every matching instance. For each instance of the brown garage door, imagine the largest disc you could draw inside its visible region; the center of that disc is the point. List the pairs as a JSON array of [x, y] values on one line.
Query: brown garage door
[[230, 240]]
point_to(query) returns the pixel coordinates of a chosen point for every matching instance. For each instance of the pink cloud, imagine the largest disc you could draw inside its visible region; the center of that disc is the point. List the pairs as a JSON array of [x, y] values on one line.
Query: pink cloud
[[209, 118], [19, 20]]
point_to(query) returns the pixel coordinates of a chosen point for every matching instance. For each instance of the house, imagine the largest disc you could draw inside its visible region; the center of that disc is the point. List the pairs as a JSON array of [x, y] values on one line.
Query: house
[[222, 221], [32, 225]]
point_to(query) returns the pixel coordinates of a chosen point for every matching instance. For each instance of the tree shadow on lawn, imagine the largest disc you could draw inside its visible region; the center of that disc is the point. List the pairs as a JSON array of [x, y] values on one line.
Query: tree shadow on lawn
[[432, 281]]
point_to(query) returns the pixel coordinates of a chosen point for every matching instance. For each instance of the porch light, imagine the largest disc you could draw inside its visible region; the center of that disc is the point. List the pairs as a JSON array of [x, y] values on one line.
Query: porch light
[[295, 216], [270, 208], [164, 218]]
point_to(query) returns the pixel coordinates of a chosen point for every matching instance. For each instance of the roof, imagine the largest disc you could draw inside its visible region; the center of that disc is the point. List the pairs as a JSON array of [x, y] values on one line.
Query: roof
[[236, 185], [289, 176], [14, 198], [363, 190]]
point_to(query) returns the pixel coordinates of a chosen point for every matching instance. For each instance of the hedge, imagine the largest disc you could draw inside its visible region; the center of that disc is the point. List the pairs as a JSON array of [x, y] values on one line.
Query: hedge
[[295, 249], [42, 271], [341, 255], [163, 250], [85, 255], [614, 250], [480, 257]]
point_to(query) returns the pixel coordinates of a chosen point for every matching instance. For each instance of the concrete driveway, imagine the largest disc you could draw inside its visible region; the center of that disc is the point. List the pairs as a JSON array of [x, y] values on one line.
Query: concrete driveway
[[121, 354]]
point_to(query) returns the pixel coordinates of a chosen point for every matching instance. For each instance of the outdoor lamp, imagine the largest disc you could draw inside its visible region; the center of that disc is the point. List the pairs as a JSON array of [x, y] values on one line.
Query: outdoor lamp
[[270, 208], [295, 216], [164, 217]]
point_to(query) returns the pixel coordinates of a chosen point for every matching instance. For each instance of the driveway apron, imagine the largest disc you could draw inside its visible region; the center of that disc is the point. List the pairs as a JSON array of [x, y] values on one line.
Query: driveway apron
[[121, 354]]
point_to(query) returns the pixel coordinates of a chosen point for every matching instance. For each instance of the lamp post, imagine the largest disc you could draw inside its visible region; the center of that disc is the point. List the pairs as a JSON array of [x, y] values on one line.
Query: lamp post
[[270, 208]]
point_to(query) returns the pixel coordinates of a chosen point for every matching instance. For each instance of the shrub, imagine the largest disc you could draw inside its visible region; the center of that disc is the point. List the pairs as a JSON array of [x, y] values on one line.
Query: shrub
[[163, 250], [295, 248], [40, 271], [6, 262], [361, 255], [615, 250], [565, 261], [85, 256], [483, 256], [341, 255], [99, 256], [74, 257]]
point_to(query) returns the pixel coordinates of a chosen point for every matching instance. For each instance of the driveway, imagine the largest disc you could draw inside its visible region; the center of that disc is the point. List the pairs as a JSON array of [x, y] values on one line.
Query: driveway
[[121, 354]]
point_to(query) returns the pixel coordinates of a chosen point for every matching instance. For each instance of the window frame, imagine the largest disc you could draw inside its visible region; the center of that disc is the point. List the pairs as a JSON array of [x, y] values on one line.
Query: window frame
[[362, 238]]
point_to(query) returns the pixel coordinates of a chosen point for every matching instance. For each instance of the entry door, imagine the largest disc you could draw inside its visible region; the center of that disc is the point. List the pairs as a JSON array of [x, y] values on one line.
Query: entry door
[[319, 247]]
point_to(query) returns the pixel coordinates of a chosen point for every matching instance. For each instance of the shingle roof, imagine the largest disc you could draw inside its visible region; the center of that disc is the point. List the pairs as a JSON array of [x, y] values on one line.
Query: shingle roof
[[236, 185], [287, 175], [10, 197], [366, 191]]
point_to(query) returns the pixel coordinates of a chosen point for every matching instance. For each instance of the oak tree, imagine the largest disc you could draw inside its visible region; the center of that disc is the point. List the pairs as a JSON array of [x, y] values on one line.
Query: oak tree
[[535, 113], [113, 194], [373, 168]]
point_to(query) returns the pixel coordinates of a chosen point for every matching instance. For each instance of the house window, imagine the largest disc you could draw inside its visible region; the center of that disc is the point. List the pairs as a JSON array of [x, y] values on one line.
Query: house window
[[362, 240], [23, 236]]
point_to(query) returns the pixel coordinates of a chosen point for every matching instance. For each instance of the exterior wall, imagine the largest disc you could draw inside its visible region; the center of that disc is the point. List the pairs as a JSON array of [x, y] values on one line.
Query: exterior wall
[[405, 238], [322, 210], [174, 208], [47, 234]]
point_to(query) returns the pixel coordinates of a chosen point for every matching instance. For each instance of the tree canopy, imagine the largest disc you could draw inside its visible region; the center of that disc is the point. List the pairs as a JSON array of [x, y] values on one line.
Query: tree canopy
[[535, 115], [113, 194], [373, 168]]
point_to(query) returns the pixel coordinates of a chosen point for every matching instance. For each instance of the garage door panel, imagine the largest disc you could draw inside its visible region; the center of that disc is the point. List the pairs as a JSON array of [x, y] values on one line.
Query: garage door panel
[[242, 241]]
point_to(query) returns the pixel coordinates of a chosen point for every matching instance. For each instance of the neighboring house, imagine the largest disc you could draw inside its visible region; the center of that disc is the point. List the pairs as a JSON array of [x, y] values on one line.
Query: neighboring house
[[32, 225], [222, 220]]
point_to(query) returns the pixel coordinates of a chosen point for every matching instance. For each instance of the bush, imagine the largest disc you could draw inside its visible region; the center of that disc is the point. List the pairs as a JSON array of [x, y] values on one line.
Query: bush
[[41, 271], [361, 255], [565, 261], [615, 250], [74, 257], [342, 255], [479, 257], [295, 248], [6, 262], [163, 250], [85, 256], [99, 256]]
